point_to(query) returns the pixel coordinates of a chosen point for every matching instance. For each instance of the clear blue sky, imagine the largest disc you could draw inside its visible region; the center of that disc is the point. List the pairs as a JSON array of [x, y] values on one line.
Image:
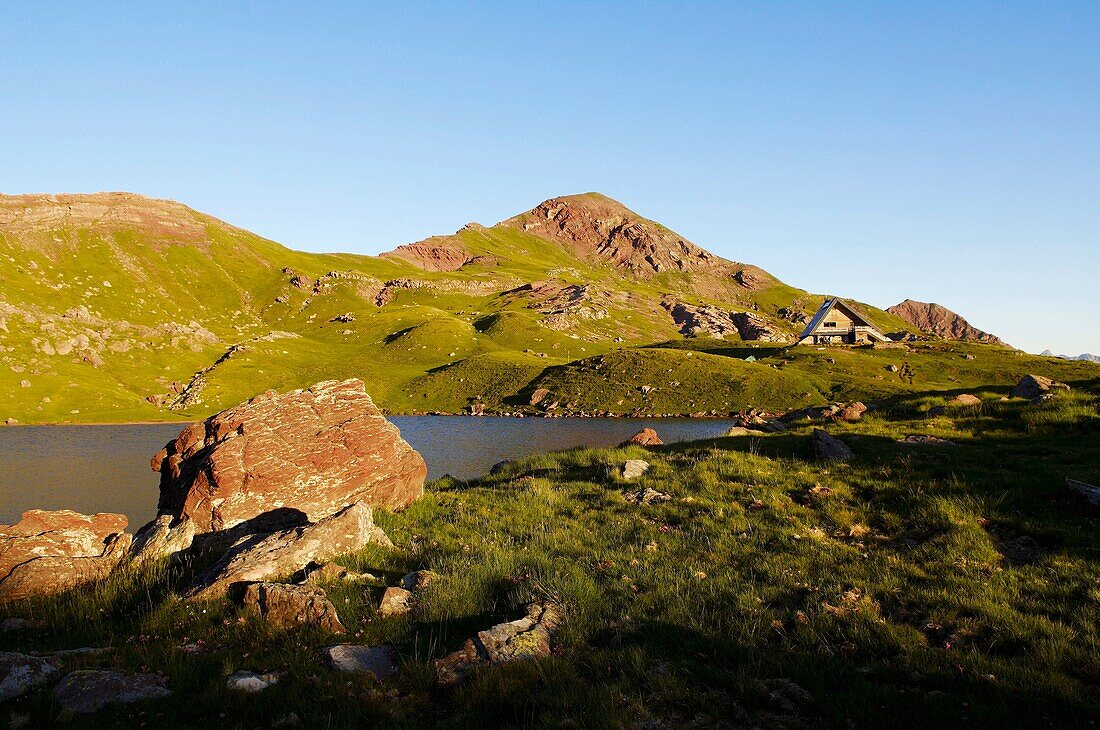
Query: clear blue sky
[[948, 153]]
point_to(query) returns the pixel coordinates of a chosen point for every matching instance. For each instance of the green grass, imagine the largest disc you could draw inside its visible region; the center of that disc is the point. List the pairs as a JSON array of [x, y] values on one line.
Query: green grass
[[913, 587]]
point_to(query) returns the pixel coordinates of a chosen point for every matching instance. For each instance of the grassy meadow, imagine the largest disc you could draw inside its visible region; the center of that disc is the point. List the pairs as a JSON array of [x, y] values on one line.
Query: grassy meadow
[[915, 586]]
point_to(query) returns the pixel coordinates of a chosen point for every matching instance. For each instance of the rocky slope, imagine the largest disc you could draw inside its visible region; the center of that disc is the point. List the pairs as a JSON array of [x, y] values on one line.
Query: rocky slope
[[940, 321]]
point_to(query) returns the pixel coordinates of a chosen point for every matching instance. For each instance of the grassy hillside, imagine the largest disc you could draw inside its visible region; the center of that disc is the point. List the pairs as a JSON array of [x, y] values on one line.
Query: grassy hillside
[[914, 587], [115, 307]]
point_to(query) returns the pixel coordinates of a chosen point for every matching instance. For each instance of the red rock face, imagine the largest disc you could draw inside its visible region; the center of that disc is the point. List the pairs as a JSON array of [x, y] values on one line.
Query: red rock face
[[940, 321], [50, 551], [314, 451], [439, 253]]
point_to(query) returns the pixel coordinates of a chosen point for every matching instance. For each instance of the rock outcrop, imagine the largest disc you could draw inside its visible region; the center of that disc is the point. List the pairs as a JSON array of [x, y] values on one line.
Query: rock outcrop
[[714, 321], [263, 557], [88, 690], [286, 606], [524, 638], [438, 253], [161, 538], [48, 552], [314, 451], [940, 321], [1034, 387], [20, 673]]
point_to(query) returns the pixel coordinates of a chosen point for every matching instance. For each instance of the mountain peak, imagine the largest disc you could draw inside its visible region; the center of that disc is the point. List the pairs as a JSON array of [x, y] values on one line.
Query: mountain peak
[[940, 321], [594, 226]]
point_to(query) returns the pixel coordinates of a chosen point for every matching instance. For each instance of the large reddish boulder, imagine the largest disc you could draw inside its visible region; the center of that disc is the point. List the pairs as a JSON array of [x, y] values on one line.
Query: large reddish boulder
[[48, 552], [645, 437], [313, 451]]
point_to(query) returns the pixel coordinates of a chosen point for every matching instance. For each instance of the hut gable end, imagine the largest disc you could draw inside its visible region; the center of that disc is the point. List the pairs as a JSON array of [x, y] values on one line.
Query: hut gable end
[[836, 323]]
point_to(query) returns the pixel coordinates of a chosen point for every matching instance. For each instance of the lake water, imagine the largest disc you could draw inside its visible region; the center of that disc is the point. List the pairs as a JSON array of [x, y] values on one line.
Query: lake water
[[106, 468]]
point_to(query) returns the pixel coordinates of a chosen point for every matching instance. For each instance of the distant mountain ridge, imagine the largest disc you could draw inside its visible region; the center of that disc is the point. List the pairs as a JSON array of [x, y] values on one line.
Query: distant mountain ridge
[[114, 307], [940, 321], [1083, 357]]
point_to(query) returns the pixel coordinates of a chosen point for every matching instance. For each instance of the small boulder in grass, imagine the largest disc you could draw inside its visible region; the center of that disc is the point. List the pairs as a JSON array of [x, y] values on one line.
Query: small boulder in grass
[[252, 682], [647, 497], [286, 606], [645, 437], [528, 637], [1033, 387], [418, 580], [381, 661], [20, 673], [851, 412], [634, 468], [966, 399], [830, 448], [395, 602], [88, 690]]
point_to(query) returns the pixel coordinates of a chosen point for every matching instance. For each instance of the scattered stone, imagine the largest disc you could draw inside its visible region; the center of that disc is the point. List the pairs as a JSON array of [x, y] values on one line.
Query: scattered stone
[[11, 422], [315, 451], [634, 468], [161, 538], [1088, 491], [418, 580], [525, 638], [892, 368], [321, 573], [966, 399], [645, 437], [1033, 386], [381, 661], [538, 396], [851, 412], [13, 624], [88, 690], [251, 682], [741, 431], [20, 673], [286, 606], [288, 551], [829, 448], [926, 440], [395, 602], [647, 496], [49, 552], [24, 383]]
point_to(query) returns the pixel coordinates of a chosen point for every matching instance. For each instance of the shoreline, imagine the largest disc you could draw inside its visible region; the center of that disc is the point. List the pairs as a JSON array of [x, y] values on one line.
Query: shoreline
[[664, 417]]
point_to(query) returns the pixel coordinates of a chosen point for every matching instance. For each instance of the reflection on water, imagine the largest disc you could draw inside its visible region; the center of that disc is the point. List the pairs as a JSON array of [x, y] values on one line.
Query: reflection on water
[[106, 468]]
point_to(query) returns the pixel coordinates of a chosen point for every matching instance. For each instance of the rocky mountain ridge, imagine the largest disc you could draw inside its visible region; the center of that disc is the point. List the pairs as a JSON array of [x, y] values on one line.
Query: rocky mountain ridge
[[940, 321], [118, 307]]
